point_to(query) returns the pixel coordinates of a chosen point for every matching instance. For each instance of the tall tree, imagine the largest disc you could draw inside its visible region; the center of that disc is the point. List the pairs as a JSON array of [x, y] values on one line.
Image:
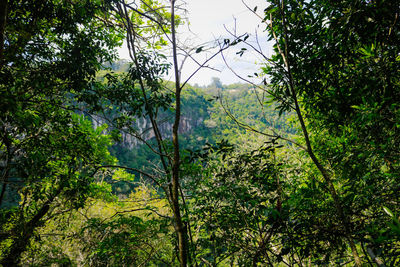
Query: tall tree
[[151, 28], [51, 53], [335, 67], [336, 64]]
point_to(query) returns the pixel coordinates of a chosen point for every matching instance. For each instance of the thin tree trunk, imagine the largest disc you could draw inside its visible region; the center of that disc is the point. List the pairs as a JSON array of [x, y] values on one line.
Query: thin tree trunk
[[321, 168], [173, 195], [131, 46], [179, 227]]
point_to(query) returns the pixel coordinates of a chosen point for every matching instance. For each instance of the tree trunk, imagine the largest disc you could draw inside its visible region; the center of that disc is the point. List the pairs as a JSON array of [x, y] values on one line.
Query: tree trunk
[[179, 227], [327, 177], [20, 244]]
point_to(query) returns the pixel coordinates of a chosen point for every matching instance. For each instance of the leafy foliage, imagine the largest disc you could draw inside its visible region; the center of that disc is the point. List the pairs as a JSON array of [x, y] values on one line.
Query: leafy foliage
[[343, 64], [52, 52], [302, 171]]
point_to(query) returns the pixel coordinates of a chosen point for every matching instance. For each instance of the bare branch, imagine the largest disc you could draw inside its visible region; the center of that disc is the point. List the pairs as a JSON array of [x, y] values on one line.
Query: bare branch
[[153, 178]]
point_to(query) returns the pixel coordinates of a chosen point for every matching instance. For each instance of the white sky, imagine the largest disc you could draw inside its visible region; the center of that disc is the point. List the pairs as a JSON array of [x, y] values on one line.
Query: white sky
[[206, 22], [207, 19]]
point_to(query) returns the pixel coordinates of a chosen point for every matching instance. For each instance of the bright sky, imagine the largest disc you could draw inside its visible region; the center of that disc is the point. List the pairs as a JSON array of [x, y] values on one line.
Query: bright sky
[[207, 19]]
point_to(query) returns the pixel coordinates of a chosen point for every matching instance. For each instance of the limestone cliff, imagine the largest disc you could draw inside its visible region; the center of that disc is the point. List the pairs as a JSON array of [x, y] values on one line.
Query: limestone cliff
[[144, 130]]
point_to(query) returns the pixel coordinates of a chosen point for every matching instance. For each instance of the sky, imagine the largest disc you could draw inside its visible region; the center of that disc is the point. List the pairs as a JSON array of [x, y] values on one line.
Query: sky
[[208, 19], [207, 22]]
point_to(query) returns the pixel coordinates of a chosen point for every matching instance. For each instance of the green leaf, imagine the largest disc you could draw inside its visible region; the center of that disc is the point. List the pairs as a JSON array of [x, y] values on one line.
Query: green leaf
[[388, 211]]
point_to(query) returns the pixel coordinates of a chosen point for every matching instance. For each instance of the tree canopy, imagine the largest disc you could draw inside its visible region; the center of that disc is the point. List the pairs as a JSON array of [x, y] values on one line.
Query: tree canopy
[[104, 162]]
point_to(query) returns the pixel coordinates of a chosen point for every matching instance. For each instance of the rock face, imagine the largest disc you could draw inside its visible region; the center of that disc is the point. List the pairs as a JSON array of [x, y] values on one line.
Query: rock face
[[144, 129], [195, 108]]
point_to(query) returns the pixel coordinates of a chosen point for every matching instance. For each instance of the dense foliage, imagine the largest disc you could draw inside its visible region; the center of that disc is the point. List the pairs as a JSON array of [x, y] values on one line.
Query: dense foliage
[[49, 153], [342, 62], [104, 163]]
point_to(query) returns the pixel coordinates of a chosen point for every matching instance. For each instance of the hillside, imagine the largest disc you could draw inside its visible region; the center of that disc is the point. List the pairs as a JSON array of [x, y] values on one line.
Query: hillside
[[207, 118]]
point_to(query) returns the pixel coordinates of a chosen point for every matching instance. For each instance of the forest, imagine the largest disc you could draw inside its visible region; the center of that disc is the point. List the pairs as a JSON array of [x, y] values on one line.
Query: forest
[[107, 161]]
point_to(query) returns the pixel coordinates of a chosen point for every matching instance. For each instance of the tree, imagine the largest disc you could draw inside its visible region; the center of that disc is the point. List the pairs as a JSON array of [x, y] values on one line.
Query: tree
[[334, 65], [151, 27], [344, 75], [51, 53], [216, 82], [238, 206]]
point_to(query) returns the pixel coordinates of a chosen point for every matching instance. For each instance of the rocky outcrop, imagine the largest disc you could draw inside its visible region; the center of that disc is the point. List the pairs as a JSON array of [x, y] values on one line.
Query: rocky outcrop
[[144, 129]]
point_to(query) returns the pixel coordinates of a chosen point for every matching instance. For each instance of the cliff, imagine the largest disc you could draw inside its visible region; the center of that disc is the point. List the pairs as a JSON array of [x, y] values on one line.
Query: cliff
[[194, 113]]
